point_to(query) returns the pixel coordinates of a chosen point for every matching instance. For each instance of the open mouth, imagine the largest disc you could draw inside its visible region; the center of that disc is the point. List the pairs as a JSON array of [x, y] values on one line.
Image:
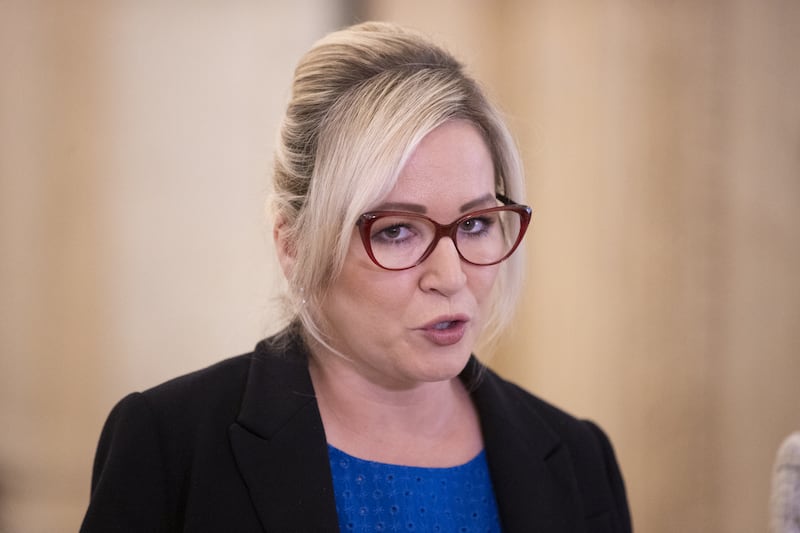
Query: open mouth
[[446, 332], [446, 325]]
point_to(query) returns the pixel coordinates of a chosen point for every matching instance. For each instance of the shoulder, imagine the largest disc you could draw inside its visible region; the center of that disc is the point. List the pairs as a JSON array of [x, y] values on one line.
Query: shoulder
[[585, 440], [222, 385], [178, 414], [155, 441], [209, 398], [552, 432], [208, 388], [511, 401]]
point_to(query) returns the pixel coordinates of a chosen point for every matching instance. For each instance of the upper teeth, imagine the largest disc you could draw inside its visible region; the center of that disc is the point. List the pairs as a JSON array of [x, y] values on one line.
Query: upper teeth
[[442, 325]]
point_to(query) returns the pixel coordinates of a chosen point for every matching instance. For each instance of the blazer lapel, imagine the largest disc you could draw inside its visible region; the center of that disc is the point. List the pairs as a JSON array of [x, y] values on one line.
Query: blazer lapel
[[279, 444], [532, 475]]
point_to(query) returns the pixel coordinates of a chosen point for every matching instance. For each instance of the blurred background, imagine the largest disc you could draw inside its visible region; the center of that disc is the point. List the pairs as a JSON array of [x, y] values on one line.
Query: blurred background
[[662, 147]]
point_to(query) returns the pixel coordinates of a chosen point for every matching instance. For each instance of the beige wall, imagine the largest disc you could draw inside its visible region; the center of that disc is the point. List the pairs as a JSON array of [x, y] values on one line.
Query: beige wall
[[135, 143], [662, 145], [661, 141]]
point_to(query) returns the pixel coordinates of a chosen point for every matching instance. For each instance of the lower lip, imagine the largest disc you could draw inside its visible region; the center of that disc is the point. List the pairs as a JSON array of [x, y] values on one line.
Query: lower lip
[[447, 336]]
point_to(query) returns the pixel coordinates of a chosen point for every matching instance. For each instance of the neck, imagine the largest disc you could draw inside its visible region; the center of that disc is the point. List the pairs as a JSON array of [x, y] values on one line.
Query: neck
[[421, 424]]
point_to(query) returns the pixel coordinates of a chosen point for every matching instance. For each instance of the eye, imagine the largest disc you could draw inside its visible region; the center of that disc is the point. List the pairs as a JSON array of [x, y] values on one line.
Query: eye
[[475, 226], [392, 233]]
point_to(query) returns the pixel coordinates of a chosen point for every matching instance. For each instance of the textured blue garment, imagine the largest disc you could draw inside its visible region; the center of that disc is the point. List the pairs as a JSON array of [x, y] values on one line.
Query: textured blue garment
[[374, 496]]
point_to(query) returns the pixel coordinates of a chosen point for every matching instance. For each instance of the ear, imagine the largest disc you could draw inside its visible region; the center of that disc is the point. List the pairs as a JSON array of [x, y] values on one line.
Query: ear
[[285, 248]]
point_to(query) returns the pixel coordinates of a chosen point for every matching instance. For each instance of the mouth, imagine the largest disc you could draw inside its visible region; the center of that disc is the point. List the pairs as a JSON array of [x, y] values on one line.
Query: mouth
[[446, 321], [445, 331]]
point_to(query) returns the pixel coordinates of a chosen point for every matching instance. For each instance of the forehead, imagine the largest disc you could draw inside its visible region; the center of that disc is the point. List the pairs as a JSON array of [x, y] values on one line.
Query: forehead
[[451, 167]]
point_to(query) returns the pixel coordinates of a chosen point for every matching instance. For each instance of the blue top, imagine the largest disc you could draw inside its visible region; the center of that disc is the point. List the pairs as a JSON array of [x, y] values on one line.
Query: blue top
[[374, 496]]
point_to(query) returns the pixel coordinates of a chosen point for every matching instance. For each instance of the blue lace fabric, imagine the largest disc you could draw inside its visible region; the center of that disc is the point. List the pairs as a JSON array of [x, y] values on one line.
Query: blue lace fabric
[[374, 496]]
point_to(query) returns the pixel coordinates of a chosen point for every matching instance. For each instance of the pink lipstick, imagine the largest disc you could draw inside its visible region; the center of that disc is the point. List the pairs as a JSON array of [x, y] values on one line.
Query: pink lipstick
[[445, 331]]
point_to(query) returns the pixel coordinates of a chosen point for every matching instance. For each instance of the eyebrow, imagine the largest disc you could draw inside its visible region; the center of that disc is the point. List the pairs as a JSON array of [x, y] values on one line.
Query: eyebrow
[[418, 208], [483, 200]]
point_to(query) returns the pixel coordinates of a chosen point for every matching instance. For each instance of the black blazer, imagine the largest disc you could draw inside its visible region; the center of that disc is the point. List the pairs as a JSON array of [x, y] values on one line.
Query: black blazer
[[240, 447]]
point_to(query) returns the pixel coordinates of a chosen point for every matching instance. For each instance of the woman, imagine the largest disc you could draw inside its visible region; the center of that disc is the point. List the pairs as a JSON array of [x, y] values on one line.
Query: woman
[[396, 228]]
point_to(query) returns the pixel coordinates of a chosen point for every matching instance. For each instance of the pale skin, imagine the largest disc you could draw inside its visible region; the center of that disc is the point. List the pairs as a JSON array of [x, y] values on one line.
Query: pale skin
[[396, 397]]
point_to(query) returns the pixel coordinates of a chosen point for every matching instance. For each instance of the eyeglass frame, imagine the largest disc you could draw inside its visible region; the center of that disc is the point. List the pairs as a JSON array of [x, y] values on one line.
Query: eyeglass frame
[[366, 220]]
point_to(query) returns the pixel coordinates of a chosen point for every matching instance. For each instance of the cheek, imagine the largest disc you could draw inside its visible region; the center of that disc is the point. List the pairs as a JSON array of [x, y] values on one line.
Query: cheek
[[481, 282], [390, 293], [362, 293]]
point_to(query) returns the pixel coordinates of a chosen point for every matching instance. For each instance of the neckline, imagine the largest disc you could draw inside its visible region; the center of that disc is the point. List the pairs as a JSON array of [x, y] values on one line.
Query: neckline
[[334, 451]]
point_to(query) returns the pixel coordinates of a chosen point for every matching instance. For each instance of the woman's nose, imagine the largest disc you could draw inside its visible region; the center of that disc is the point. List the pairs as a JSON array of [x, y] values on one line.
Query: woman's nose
[[443, 270]]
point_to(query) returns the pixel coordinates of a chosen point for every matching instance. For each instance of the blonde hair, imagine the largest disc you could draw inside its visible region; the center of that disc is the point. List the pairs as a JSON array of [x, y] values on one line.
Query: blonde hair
[[362, 100]]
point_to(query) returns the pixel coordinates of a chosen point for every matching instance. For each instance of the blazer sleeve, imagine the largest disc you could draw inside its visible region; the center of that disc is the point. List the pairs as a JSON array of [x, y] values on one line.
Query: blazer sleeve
[[614, 480], [128, 479]]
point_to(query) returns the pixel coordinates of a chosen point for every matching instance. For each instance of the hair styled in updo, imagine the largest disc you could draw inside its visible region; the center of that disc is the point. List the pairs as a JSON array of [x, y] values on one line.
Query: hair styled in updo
[[362, 100]]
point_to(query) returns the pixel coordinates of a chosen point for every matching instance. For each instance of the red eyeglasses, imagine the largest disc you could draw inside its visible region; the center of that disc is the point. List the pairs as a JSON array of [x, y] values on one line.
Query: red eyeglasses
[[398, 240]]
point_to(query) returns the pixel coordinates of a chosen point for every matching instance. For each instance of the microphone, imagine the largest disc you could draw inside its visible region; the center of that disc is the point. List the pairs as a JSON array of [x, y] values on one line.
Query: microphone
[[785, 495]]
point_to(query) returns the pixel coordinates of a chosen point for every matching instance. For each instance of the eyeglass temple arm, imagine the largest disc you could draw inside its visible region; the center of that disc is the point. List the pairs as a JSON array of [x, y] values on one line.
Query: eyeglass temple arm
[[505, 199]]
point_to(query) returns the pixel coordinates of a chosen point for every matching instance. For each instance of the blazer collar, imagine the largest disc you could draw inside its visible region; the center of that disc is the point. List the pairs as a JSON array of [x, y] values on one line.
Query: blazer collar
[[532, 474], [280, 448], [279, 442]]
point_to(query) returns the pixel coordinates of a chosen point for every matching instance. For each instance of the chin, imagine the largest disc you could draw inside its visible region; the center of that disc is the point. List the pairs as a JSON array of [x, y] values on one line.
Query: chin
[[444, 365]]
